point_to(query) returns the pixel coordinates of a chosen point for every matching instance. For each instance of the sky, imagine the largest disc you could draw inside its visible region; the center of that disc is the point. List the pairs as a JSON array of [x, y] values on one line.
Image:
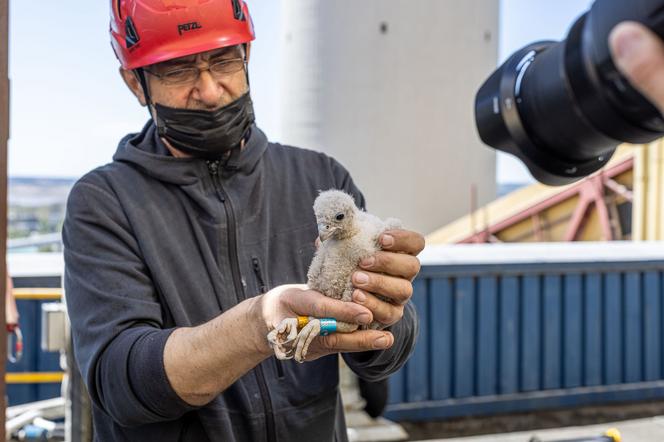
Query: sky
[[69, 106], [523, 22]]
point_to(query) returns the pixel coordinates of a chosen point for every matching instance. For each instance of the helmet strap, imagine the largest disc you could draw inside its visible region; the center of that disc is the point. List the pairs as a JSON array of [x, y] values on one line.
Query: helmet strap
[[140, 73], [246, 64]]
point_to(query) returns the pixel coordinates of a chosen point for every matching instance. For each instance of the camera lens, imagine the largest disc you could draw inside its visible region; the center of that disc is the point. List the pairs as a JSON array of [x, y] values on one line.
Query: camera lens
[[562, 107]]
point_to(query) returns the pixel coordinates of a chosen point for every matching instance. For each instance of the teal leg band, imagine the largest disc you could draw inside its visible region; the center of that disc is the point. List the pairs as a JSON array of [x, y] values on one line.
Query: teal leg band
[[327, 326]]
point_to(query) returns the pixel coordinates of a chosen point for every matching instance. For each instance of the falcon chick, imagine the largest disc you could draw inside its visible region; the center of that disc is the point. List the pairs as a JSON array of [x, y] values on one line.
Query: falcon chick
[[347, 236]]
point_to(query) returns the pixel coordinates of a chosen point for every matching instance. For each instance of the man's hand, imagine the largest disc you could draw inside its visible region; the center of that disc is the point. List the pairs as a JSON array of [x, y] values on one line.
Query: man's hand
[[289, 301], [389, 273], [639, 54]]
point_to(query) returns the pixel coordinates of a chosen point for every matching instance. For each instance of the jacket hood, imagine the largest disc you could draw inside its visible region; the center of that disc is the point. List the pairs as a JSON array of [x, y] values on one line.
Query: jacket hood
[[148, 152]]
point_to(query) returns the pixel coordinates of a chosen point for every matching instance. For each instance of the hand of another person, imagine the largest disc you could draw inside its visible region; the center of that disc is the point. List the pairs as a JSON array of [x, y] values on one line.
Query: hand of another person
[[11, 312], [639, 54]]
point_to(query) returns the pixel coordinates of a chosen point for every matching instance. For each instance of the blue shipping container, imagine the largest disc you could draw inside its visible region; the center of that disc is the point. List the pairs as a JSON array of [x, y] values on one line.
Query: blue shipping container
[[510, 328]]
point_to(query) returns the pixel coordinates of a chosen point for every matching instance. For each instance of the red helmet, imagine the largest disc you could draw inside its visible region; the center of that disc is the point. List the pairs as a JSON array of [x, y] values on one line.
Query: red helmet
[[144, 32]]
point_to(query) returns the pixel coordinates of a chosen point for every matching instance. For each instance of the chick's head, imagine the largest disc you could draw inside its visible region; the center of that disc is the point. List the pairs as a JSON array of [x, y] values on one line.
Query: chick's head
[[335, 212]]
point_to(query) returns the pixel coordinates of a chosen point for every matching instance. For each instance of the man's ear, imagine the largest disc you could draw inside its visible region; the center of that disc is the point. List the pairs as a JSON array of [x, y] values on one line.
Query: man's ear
[[131, 80]]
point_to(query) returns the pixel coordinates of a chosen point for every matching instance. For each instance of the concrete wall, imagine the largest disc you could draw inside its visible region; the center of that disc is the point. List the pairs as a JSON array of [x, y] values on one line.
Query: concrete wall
[[387, 87]]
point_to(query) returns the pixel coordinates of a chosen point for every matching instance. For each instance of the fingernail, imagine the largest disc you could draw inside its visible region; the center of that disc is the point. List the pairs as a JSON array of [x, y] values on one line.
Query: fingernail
[[380, 342], [359, 296], [387, 240], [363, 318], [627, 42], [360, 278], [368, 262]]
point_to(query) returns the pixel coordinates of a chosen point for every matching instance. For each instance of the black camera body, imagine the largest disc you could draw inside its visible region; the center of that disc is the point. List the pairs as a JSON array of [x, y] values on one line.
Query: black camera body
[[563, 107]]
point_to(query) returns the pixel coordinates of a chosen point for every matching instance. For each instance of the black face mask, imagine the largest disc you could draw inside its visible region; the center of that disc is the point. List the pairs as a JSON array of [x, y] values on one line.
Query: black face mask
[[206, 134]]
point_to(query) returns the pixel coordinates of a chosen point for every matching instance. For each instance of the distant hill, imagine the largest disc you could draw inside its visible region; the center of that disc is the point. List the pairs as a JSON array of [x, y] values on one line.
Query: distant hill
[[38, 191]]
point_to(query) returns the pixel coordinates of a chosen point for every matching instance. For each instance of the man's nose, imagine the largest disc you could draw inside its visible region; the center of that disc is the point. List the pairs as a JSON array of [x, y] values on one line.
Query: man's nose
[[207, 89]]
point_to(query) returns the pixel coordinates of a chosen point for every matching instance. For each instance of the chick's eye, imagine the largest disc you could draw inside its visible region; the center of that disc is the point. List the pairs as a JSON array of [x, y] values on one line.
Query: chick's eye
[[340, 216]]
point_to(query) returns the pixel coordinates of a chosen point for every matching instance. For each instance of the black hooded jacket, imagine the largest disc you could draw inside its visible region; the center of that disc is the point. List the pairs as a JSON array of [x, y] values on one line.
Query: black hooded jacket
[[154, 242]]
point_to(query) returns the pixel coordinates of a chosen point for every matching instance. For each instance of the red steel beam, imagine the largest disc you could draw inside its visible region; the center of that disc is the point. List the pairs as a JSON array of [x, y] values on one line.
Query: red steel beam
[[602, 209], [537, 208], [591, 192], [579, 216], [619, 189]]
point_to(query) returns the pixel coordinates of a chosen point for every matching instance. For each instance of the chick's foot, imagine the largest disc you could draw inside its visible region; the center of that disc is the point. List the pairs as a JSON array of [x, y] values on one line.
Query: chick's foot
[[304, 338], [282, 338]]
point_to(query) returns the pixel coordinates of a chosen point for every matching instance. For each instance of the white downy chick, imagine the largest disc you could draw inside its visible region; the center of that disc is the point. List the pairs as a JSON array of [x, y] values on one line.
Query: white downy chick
[[347, 236]]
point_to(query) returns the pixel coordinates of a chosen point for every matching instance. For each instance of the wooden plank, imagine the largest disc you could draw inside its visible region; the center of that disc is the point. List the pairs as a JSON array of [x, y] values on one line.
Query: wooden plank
[[530, 333], [508, 379], [633, 327], [54, 294], [613, 328], [441, 311], [652, 327], [4, 137], [572, 342], [487, 343], [592, 334], [464, 337], [34, 377], [417, 373], [552, 305]]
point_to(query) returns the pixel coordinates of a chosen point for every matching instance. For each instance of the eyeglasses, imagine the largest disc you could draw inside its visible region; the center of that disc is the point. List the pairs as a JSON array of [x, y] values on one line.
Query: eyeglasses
[[189, 75]]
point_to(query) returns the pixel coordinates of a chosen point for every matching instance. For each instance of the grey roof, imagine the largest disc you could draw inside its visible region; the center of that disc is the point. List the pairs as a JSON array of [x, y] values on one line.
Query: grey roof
[[556, 252]]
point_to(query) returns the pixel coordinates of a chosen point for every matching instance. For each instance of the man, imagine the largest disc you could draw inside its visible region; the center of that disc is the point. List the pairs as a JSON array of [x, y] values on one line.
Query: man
[[179, 253], [639, 54]]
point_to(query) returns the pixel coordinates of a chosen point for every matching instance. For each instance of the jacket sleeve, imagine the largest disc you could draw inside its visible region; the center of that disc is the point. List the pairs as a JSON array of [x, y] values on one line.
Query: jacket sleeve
[[377, 365], [113, 307]]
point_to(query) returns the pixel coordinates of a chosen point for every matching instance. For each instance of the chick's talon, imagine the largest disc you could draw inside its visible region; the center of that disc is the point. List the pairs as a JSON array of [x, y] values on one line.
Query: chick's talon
[[281, 339], [304, 339], [283, 353]]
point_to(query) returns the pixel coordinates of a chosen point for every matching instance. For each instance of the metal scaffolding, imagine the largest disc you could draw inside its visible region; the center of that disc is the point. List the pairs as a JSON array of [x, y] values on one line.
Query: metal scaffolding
[[623, 201]]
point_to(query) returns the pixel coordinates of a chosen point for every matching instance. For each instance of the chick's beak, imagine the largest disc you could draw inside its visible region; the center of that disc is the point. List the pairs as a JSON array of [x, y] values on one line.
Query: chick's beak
[[325, 232]]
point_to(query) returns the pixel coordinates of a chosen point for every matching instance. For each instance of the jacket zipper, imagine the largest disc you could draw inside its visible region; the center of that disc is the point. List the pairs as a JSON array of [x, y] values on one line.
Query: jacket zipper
[[213, 167], [263, 288]]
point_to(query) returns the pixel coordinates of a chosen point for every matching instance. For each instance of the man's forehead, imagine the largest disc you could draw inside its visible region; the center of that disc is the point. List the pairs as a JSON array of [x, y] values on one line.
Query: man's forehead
[[203, 55]]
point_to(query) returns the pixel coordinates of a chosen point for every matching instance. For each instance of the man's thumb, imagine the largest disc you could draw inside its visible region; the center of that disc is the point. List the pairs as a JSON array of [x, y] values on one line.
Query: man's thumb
[[639, 54]]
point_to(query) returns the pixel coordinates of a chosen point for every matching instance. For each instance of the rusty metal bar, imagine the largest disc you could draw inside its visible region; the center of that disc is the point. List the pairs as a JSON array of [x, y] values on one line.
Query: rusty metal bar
[[618, 188], [4, 137]]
